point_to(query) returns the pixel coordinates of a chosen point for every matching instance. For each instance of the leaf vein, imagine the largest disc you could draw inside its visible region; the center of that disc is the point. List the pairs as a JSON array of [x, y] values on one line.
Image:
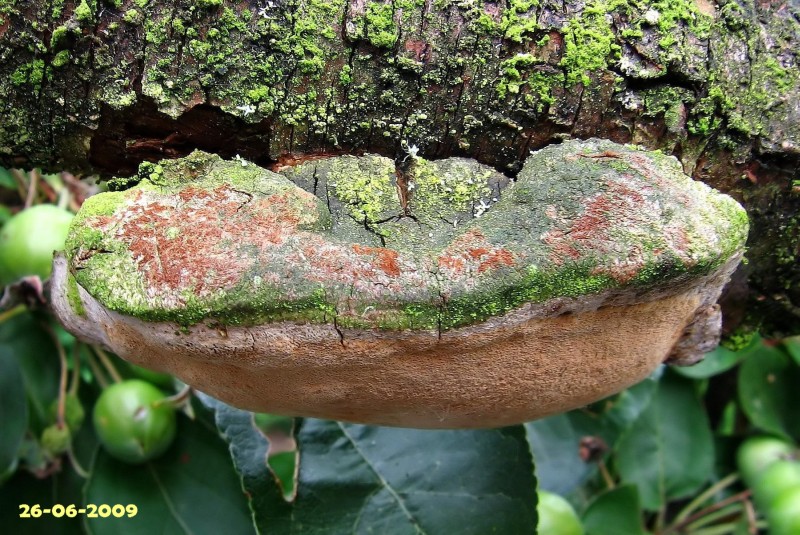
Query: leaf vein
[[383, 481]]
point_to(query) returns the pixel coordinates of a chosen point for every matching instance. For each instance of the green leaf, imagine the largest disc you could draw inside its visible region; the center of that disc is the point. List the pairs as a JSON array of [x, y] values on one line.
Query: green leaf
[[792, 346], [191, 489], [668, 453], [616, 512], [5, 214], [555, 444], [38, 361], [626, 407], [363, 479], [283, 464], [248, 449], [769, 393], [13, 411], [7, 180], [555, 441], [718, 361]]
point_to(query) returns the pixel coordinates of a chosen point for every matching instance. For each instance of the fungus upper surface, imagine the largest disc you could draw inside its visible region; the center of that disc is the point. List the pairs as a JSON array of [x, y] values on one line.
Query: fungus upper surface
[[338, 240]]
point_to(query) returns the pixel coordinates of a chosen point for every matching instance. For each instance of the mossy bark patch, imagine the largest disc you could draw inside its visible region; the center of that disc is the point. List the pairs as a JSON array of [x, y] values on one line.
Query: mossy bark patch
[[351, 243]]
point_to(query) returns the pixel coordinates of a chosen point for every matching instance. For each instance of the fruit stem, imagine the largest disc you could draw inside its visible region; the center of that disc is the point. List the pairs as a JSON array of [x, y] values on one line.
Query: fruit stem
[[105, 360], [705, 496], [678, 526], [31, 195], [64, 198], [726, 513], [19, 178], [176, 401], [606, 475], [725, 529], [721, 529], [76, 465], [76, 369], [11, 312], [752, 521], [62, 381], [96, 371]]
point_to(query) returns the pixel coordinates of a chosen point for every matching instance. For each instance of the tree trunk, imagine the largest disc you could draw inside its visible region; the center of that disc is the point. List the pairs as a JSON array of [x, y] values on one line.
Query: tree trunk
[[101, 85]]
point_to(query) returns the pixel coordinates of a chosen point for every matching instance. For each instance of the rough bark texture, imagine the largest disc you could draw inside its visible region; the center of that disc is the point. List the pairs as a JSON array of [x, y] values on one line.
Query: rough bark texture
[[105, 85]]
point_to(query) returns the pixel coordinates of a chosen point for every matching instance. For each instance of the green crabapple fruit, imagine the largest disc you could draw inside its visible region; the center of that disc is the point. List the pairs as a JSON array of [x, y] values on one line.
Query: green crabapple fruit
[[777, 478], [757, 453], [556, 516], [56, 440], [783, 515], [132, 422], [28, 239]]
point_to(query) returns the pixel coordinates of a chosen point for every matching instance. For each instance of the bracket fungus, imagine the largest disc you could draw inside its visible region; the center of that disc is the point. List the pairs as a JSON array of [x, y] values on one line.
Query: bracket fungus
[[432, 294]]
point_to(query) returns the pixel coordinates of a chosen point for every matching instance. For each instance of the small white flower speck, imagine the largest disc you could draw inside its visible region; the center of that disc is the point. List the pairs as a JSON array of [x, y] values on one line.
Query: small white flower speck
[[652, 16], [241, 160], [411, 150], [246, 109], [412, 185], [481, 208], [263, 12]]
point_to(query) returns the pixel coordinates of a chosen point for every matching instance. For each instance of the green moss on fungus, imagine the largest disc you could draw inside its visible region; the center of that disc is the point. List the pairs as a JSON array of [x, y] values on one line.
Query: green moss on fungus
[[73, 296], [369, 191], [200, 239]]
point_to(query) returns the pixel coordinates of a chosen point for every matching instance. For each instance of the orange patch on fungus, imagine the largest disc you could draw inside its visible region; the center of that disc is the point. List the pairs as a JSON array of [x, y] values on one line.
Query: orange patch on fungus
[[495, 259], [386, 258], [474, 250], [176, 244]]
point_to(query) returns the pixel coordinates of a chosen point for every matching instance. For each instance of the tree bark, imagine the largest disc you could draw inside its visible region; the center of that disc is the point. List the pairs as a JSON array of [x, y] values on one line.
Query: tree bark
[[102, 85]]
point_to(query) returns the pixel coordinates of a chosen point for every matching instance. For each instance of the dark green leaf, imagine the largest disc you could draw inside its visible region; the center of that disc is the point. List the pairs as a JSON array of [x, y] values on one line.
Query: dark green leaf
[[248, 449], [13, 411], [555, 444], [63, 488], [356, 478], [6, 179], [362, 479], [616, 512], [668, 453], [193, 488], [38, 361], [769, 393]]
